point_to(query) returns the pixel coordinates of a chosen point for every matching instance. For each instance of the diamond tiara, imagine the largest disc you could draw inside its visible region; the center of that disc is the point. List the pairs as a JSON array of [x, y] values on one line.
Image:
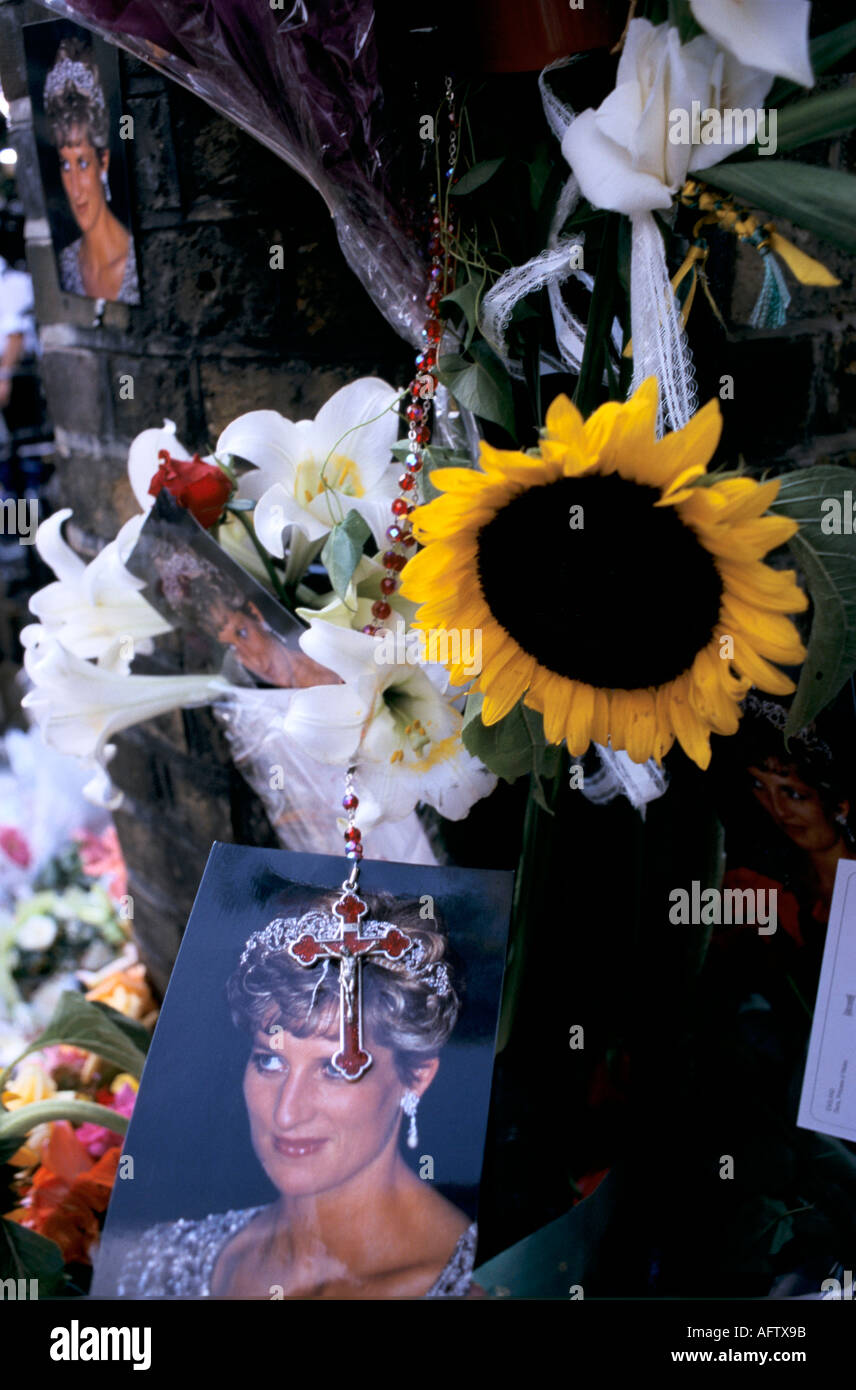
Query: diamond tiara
[[279, 934], [70, 73]]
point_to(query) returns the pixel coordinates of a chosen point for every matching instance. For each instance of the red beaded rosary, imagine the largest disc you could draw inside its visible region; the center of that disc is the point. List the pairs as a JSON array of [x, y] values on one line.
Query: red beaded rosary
[[418, 412], [349, 947]]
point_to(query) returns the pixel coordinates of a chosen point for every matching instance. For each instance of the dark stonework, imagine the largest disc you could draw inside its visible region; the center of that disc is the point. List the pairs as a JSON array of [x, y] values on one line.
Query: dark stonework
[[218, 332]]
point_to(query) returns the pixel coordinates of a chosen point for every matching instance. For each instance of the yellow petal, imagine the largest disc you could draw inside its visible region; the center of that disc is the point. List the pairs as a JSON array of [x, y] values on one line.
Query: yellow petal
[[695, 444], [759, 671], [708, 695], [600, 717], [763, 587], [748, 540], [744, 498], [665, 733], [579, 721], [564, 422], [463, 480], [506, 688], [552, 695], [640, 732], [771, 634], [691, 733]]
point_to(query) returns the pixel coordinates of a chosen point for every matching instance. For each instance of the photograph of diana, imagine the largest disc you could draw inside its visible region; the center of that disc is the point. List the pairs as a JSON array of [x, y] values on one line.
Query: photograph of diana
[[74, 88], [358, 1187], [197, 587]]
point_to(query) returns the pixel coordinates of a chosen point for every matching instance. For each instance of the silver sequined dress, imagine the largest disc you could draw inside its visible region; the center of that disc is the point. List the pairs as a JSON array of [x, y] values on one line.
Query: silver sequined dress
[[71, 279], [176, 1259]]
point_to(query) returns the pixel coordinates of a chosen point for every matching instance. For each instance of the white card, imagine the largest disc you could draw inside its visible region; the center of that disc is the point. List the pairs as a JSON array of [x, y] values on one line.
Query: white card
[[828, 1099]]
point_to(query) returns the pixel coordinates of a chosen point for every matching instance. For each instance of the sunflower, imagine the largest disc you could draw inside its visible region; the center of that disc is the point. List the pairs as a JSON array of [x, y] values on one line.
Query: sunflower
[[644, 613]]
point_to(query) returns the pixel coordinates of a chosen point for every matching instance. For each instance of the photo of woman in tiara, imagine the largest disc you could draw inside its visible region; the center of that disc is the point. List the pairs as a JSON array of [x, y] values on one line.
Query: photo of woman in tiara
[[790, 816], [352, 1219], [75, 91]]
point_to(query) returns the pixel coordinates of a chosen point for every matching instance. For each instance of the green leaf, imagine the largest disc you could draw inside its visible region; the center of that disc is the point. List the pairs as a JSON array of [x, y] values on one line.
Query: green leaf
[[26, 1255], [476, 176], [514, 746], [467, 300], [17, 1123], [482, 386], [539, 174], [827, 49], [137, 1032], [823, 200], [828, 563], [343, 550], [92, 1027], [818, 118]]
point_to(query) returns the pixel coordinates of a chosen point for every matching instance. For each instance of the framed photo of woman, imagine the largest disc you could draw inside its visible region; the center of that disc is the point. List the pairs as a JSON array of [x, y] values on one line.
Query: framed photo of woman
[[309, 1126], [81, 137]]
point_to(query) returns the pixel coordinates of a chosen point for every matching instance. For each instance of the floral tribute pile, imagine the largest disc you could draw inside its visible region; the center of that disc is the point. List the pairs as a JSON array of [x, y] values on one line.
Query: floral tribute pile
[[76, 1013]]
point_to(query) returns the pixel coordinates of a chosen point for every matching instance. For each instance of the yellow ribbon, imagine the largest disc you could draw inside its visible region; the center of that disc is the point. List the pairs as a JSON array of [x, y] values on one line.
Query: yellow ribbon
[[723, 212], [693, 264], [739, 221]]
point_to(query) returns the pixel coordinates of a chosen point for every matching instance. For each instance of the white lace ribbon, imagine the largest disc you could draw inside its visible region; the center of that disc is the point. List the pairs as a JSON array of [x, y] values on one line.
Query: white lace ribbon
[[552, 267], [660, 346], [660, 349]]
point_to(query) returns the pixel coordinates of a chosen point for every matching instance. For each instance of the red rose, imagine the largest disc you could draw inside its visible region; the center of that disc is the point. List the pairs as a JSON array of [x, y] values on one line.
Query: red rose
[[202, 488]]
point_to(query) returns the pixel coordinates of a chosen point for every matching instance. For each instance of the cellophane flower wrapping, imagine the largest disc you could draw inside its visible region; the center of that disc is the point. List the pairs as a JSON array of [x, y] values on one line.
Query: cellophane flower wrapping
[[304, 80]]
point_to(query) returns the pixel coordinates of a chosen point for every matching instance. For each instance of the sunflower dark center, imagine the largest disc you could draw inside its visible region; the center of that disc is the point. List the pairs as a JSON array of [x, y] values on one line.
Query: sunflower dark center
[[623, 600]]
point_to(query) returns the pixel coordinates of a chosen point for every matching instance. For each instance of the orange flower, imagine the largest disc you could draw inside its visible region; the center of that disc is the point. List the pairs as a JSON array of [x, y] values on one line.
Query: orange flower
[[124, 989], [67, 1193]]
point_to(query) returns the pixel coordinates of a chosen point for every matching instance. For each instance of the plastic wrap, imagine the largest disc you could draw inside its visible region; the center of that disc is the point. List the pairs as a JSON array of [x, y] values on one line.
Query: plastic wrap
[[304, 80], [299, 794]]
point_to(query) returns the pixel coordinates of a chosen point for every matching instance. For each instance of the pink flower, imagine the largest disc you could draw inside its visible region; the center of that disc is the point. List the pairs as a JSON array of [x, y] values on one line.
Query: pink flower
[[101, 856], [14, 846], [97, 1139]]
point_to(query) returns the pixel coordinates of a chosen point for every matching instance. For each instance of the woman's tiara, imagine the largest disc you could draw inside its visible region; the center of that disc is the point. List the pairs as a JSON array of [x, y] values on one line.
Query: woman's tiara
[[70, 72], [282, 932]]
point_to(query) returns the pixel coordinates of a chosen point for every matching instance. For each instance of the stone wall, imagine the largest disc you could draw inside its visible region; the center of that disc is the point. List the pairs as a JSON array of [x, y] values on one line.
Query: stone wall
[[218, 332]]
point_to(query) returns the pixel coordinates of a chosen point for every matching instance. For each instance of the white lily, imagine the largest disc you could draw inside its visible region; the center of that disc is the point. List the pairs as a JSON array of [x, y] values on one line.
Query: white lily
[[767, 34], [622, 153], [393, 721], [311, 473], [96, 609], [79, 706]]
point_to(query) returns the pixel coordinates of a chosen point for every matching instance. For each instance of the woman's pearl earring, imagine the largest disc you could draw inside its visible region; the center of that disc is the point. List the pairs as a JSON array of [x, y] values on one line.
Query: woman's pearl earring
[[106, 183], [410, 1104]]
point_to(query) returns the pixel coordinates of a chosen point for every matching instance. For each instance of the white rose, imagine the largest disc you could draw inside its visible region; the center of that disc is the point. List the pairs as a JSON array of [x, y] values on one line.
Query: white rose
[[37, 933], [622, 153]]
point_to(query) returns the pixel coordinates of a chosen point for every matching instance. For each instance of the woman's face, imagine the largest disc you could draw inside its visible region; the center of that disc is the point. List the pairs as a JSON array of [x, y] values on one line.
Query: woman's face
[[311, 1129], [80, 170], [255, 646], [795, 807]]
